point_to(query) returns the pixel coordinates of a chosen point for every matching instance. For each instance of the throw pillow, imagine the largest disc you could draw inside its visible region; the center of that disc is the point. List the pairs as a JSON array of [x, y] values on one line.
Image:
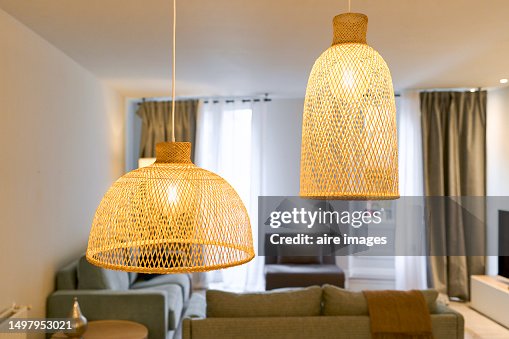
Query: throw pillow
[[91, 277], [277, 303]]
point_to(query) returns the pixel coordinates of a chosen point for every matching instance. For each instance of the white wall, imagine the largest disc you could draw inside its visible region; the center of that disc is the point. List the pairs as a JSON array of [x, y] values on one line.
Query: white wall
[[132, 134], [282, 133], [498, 142], [61, 146], [497, 165]]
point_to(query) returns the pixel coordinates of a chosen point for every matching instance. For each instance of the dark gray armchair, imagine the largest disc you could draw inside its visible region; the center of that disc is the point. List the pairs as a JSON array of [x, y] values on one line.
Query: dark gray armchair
[[302, 271]]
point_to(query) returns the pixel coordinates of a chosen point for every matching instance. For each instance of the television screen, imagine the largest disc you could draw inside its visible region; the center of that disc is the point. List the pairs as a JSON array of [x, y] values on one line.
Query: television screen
[[503, 243]]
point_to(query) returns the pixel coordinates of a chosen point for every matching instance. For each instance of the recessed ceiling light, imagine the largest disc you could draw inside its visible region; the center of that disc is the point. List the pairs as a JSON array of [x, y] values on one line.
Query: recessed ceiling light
[[473, 90], [504, 81]]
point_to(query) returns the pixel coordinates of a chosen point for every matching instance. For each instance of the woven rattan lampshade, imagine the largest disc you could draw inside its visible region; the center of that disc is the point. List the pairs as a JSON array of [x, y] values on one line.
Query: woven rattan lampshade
[[170, 217], [349, 137]]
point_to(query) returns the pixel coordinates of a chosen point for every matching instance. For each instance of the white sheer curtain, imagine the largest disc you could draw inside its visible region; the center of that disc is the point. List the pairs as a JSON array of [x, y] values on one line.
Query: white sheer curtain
[[228, 140], [410, 270]]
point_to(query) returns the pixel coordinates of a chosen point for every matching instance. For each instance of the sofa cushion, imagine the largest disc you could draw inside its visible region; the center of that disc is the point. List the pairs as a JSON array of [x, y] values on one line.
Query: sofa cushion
[[277, 303], [278, 276], [181, 280], [339, 302], [91, 277], [174, 302]]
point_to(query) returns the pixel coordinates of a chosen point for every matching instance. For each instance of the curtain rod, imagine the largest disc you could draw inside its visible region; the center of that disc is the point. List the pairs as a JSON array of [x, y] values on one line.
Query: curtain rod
[[217, 100], [455, 89], [231, 101]]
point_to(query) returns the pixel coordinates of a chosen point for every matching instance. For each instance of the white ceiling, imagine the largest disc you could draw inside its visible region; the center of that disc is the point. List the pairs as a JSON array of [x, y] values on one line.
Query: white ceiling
[[240, 47]]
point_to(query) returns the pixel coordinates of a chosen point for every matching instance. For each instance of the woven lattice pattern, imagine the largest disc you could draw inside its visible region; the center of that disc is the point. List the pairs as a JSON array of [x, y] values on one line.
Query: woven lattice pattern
[[170, 217], [350, 27], [349, 138]]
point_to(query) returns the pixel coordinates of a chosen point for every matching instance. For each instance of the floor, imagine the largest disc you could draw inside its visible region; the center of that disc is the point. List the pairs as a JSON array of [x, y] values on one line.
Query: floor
[[477, 326]]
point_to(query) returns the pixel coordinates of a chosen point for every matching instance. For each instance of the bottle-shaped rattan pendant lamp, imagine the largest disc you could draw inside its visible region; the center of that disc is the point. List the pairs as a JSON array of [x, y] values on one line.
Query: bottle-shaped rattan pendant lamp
[[170, 217], [349, 137]]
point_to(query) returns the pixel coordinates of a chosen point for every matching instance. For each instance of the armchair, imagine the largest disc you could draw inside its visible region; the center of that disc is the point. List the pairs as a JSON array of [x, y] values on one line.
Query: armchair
[[286, 270]]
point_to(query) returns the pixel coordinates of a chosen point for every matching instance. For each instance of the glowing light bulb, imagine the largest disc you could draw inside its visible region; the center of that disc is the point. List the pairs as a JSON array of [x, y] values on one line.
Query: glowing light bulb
[[348, 79], [172, 193]]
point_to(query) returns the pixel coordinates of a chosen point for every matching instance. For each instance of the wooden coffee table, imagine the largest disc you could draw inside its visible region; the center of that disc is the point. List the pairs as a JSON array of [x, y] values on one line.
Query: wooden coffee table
[[112, 329]]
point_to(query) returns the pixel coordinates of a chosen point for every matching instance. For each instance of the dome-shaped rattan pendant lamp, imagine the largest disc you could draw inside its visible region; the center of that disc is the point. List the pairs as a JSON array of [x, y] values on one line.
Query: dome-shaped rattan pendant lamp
[[170, 217], [349, 137]]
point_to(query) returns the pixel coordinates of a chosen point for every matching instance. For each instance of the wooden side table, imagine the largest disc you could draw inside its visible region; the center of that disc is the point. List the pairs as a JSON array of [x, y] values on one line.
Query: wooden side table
[[111, 329]]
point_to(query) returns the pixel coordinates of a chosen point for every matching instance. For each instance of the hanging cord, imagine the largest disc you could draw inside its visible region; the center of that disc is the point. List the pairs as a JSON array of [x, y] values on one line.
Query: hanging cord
[[349, 6], [173, 70]]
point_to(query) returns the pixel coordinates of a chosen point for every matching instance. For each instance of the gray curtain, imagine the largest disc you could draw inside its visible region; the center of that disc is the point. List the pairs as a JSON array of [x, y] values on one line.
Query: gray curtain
[[454, 150], [156, 124]]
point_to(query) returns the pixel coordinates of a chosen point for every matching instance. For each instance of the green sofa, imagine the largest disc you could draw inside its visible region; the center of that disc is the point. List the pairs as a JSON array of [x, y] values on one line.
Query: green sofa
[[158, 303], [309, 313]]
